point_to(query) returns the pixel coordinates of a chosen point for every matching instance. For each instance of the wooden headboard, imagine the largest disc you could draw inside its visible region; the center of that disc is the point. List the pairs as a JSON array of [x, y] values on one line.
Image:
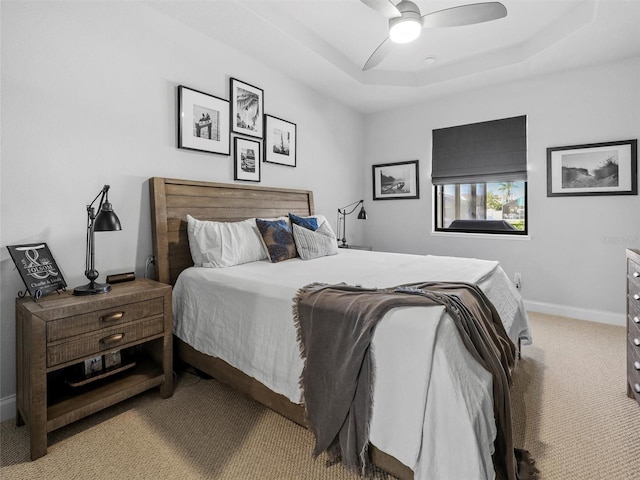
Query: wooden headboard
[[172, 200]]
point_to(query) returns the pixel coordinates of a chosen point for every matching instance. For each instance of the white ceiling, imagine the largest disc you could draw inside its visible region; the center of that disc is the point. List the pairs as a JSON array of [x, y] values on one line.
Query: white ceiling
[[325, 43]]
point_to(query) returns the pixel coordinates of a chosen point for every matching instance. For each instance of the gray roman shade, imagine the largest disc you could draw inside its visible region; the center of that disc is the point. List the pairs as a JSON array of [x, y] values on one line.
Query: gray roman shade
[[494, 151]]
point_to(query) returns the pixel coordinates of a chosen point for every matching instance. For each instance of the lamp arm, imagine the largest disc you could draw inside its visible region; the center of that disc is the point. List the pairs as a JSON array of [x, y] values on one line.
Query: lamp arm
[[87, 255], [343, 209], [103, 192], [90, 270], [344, 228]]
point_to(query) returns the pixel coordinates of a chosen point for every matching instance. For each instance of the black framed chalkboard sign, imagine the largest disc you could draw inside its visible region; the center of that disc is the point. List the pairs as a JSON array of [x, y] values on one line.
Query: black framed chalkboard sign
[[38, 269]]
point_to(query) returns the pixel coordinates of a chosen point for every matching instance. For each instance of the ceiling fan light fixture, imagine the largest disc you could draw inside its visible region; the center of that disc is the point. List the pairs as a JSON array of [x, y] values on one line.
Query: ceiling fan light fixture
[[404, 29]]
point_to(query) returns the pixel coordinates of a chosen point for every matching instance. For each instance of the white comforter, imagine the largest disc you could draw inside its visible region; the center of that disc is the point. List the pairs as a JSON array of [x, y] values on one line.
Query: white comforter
[[432, 401]]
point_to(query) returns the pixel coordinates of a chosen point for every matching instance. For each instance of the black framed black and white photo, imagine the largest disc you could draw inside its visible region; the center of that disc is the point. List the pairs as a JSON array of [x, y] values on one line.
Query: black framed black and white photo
[[609, 168], [247, 160], [38, 269], [395, 181], [247, 109], [279, 141], [203, 122]]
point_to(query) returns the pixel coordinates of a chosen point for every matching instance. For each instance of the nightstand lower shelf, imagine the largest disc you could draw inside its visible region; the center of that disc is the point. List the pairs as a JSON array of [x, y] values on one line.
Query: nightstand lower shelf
[[143, 376]]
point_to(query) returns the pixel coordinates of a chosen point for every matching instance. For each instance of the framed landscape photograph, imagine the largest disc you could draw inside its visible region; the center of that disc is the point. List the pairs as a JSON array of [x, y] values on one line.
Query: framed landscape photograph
[[395, 181], [247, 109], [279, 141], [609, 168], [38, 269], [203, 122], [247, 160]]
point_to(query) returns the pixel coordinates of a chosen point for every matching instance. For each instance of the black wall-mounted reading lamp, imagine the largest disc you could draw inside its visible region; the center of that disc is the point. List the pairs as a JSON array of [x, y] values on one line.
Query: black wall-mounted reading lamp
[[342, 220], [105, 221]]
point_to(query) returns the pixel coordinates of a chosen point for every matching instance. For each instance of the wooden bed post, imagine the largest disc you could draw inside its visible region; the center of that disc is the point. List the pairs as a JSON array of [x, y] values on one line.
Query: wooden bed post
[[159, 235]]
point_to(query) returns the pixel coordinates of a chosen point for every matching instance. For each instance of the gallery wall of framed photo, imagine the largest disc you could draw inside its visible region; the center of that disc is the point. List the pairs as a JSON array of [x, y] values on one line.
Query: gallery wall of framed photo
[[211, 124]]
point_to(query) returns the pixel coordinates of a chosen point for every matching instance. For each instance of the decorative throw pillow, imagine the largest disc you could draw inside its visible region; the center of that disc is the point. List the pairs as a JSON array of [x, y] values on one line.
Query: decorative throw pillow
[[320, 243], [310, 223], [223, 244], [277, 239]]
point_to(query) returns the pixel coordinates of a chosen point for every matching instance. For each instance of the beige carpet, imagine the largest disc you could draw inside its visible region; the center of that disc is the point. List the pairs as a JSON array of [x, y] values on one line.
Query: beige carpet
[[570, 410]]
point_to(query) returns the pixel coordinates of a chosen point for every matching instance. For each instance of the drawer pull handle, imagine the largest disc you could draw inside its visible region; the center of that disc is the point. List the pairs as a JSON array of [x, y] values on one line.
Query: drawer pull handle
[[636, 365], [636, 319], [636, 387], [116, 337], [112, 317], [636, 296], [636, 274]]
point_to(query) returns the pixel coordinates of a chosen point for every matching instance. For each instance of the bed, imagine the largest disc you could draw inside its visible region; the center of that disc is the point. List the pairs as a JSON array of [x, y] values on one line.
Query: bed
[[265, 290]]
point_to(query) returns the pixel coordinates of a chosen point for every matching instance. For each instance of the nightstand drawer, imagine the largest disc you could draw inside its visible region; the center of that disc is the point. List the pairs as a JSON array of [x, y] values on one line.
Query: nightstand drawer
[[89, 322], [103, 340]]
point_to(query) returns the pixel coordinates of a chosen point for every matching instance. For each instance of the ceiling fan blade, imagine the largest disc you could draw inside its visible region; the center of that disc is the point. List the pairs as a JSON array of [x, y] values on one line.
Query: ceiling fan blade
[[464, 15], [378, 55], [385, 7]]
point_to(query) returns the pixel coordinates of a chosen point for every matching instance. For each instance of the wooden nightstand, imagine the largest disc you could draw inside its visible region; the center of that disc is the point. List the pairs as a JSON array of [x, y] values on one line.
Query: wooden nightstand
[[55, 336], [356, 247]]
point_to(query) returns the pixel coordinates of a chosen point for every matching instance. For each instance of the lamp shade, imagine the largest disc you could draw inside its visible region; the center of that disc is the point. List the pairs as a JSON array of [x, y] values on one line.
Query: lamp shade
[[362, 214], [106, 220]]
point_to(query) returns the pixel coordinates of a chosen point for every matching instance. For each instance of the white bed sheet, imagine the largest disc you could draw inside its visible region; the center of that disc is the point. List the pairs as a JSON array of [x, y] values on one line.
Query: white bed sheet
[[242, 315]]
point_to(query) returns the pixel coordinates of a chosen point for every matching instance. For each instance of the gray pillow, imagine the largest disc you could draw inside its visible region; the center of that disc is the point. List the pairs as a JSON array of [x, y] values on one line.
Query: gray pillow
[[310, 244]]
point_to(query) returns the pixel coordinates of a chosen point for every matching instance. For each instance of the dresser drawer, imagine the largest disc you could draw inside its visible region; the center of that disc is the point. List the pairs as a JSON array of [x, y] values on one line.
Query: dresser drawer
[[633, 278], [633, 329], [89, 322], [105, 339], [634, 342], [633, 370], [633, 270], [633, 312], [634, 296]]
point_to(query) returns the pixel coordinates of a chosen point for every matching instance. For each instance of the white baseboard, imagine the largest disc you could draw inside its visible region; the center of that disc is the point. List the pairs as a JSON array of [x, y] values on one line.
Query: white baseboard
[[7, 407], [600, 316]]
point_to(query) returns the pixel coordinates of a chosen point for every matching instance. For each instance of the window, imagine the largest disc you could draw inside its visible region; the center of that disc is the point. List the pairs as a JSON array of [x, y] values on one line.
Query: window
[[479, 173], [482, 207]]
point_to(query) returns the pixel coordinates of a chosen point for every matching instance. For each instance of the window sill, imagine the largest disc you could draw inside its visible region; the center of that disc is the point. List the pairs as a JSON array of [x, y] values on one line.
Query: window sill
[[499, 236]]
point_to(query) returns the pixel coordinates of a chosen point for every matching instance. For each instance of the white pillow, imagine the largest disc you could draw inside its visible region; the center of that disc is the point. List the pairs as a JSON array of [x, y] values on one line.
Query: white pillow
[[320, 243], [224, 244]]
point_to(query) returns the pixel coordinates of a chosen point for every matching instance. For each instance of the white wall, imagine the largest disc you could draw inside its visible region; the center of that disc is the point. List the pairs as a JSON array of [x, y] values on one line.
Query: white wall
[[89, 98], [574, 261]]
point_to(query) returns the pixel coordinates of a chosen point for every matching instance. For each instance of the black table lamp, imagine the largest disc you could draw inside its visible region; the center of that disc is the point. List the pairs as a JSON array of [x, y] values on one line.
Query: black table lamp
[[342, 219], [105, 221]]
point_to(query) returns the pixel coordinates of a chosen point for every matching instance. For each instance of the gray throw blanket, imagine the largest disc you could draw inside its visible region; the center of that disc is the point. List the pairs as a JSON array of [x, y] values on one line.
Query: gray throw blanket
[[335, 326]]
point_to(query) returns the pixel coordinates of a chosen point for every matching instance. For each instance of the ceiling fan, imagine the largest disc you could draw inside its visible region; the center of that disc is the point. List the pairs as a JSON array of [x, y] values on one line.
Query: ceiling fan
[[406, 21]]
